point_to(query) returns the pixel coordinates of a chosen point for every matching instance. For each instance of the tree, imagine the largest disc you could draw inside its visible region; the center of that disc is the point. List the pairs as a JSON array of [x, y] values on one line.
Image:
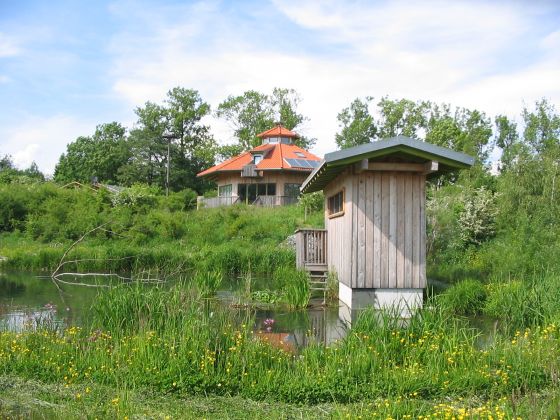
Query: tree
[[401, 117], [254, 112], [99, 156], [542, 128], [175, 125], [358, 125], [147, 146], [507, 139], [10, 174]]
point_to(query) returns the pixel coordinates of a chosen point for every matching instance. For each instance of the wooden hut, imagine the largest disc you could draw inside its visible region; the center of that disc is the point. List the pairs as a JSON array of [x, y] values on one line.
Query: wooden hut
[[375, 217]]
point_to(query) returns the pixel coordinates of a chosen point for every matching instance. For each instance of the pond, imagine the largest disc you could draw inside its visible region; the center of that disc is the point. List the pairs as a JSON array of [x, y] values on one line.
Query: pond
[[28, 300]]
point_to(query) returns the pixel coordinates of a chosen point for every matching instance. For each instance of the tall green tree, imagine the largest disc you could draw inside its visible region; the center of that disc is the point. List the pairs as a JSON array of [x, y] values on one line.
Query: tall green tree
[[99, 156], [401, 117], [254, 112], [172, 130], [357, 124]]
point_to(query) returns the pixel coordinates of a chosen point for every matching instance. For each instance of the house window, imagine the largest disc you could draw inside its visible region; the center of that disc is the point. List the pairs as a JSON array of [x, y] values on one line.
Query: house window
[[335, 204], [270, 189], [224, 190], [291, 190], [257, 159], [299, 154]]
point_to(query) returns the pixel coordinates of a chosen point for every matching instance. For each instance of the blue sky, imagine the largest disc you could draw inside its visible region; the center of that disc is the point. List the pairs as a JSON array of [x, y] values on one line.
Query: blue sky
[[66, 66]]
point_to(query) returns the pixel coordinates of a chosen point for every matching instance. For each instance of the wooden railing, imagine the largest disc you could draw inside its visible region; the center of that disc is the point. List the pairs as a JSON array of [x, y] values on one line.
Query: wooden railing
[[274, 200], [311, 249], [249, 171], [212, 202]]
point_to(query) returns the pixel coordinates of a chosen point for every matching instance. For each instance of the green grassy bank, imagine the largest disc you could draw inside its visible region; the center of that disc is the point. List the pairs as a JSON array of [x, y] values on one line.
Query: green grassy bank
[[142, 230]]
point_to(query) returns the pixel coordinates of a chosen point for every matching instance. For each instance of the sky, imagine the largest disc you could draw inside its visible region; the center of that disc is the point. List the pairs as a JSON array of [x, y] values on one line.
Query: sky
[[67, 66]]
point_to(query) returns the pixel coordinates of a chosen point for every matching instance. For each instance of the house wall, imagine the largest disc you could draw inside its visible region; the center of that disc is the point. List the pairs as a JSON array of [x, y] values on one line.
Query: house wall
[[379, 242], [278, 177]]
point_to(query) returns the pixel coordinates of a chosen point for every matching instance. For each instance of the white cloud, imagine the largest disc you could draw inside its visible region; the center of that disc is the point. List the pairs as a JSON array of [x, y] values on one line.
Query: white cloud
[[8, 46], [443, 51], [42, 139]]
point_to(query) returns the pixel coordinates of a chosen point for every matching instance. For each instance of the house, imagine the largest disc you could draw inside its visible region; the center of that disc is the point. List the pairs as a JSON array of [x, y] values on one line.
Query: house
[[268, 175], [375, 222]]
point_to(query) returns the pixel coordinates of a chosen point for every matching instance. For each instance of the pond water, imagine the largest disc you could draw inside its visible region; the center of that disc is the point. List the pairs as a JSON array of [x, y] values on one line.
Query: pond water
[[28, 300]]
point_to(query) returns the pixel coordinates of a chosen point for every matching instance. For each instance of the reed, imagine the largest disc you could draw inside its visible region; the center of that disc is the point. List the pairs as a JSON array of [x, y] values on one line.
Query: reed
[[169, 340]]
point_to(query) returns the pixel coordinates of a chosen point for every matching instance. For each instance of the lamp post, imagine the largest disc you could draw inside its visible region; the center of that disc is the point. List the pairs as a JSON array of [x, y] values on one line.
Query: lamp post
[[168, 135]]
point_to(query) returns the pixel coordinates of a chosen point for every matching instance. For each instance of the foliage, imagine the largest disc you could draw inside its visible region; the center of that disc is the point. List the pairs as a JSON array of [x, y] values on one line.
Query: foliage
[[466, 297], [138, 195], [477, 217], [294, 285], [9, 174], [358, 125], [254, 112], [98, 157], [313, 202], [208, 282]]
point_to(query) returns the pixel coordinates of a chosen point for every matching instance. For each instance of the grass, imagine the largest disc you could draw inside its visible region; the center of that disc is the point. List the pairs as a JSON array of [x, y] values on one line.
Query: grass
[[243, 238], [34, 399], [173, 343]]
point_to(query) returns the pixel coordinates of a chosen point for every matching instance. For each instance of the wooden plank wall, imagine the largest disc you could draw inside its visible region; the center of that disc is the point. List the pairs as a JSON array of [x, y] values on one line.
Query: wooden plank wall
[[381, 243], [339, 237]]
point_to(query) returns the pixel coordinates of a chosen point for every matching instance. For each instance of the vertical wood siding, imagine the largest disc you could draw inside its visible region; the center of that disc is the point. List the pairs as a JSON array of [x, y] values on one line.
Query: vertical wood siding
[[379, 242]]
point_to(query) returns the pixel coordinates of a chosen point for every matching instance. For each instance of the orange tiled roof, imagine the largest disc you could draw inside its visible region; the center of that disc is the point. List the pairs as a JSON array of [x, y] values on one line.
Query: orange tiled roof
[[279, 130], [275, 156]]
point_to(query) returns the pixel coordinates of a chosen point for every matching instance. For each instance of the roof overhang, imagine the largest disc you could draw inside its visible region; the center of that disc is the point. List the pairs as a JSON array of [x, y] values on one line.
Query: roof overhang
[[403, 147]]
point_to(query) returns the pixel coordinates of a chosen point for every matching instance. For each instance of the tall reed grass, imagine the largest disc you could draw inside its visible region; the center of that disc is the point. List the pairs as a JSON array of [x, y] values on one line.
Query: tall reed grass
[[172, 341]]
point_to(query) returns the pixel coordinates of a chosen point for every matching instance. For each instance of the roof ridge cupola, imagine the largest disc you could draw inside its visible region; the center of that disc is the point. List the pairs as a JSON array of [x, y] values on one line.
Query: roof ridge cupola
[[278, 134]]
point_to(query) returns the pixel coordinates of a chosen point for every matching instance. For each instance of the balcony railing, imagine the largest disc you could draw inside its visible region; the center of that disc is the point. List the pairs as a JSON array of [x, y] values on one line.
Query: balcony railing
[[212, 202], [250, 171], [311, 249], [274, 200]]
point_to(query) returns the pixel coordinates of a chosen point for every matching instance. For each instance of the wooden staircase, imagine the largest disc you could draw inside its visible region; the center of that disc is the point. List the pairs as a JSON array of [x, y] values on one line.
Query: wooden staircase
[[311, 255]]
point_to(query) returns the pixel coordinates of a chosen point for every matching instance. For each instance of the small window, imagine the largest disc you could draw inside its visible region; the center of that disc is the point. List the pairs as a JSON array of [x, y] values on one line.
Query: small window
[[335, 204], [299, 154], [224, 190], [257, 159], [261, 189]]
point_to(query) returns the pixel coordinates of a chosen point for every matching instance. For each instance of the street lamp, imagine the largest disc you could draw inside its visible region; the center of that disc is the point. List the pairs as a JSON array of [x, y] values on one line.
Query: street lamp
[[168, 135]]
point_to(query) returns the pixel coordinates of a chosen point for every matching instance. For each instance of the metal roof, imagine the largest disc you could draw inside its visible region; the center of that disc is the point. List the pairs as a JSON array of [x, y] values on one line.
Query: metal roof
[[334, 163]]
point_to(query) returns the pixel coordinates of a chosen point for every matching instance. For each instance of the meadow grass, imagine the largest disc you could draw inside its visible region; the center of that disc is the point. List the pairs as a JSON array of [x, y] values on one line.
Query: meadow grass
[[34, 399], [172, 342]]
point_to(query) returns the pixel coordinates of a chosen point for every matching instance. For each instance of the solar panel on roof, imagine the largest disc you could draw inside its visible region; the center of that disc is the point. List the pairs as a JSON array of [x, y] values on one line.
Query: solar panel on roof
[[302, 163]]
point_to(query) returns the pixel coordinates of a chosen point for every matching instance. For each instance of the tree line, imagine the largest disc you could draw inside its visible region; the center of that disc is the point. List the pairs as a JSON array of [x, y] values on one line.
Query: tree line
[[174, 131]]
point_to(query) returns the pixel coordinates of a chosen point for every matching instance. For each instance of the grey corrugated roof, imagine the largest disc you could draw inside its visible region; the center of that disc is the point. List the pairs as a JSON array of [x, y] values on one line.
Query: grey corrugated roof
[[336, 162]]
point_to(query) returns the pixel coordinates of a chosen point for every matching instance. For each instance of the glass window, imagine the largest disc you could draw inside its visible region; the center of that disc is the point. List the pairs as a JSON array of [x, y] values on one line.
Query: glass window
[[335, 204], [257, 159], [291, 190], [261, 189], [270, 189], [299, 154], [224, 190]]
